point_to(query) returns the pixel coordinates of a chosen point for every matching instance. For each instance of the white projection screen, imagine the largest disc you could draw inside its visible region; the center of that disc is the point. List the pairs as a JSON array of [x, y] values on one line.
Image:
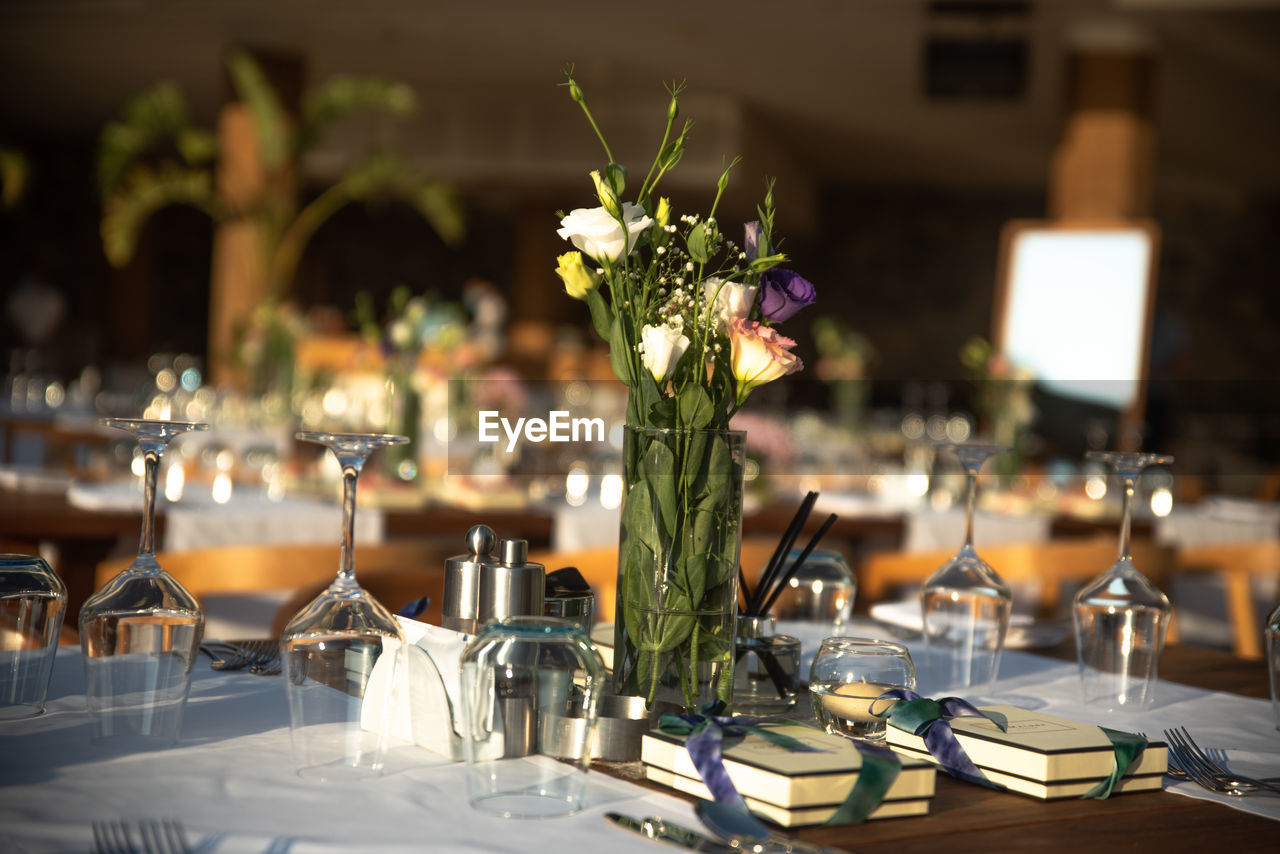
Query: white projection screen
[[1073, 304]]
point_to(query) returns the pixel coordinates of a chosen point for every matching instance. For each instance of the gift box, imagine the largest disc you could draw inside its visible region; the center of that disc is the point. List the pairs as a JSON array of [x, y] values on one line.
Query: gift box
[[789, 787], [1041, 755]]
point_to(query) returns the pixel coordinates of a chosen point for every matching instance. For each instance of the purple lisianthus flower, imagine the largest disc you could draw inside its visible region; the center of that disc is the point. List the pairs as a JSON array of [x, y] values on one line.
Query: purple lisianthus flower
[[783, 293], [751, 239]]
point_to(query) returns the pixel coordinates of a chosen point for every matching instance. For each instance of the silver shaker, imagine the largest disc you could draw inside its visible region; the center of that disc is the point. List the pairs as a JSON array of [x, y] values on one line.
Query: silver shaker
[[510, 586], [462, 581]]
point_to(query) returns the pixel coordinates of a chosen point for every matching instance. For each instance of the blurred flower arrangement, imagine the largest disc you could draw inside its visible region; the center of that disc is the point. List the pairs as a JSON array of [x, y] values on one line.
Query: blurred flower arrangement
[[266, 347], [689, 316], [1002, 400]]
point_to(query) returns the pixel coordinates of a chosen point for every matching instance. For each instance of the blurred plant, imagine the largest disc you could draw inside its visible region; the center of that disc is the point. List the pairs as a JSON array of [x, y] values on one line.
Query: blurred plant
[[266, 345], [844, 356], [412, 325], [1002, 399], [151, 157]]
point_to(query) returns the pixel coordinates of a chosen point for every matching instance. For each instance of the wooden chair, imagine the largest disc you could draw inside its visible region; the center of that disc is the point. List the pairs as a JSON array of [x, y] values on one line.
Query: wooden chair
[[1052, 565], [395, 568], [1237, 564]]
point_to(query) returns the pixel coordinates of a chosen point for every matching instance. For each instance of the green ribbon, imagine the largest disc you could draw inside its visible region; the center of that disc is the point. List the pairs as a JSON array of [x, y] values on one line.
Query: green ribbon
[[879, 769], [706, 733], [1128, 750]]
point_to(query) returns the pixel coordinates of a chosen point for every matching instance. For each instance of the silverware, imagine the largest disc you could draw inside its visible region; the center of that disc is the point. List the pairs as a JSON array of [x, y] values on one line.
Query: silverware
[[665, 831], [1197, 765], [744, 832], [163, 837], [112, 837], [258, 656]]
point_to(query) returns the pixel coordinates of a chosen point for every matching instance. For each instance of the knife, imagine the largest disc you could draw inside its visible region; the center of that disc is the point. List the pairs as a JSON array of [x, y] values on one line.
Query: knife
[[674, 834]]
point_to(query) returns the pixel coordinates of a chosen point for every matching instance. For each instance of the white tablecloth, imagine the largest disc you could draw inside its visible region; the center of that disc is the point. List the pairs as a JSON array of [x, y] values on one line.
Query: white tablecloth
[[231, 782]]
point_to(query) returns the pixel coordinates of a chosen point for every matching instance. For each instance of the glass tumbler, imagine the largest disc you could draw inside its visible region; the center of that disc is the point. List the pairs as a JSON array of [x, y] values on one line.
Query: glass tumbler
[[821, 591], [847, 676], [521, 677], [765, 668], [33, 600]]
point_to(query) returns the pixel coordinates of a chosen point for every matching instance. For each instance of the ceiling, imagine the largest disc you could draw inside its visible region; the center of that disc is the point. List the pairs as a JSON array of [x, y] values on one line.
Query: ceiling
[[817, 89]]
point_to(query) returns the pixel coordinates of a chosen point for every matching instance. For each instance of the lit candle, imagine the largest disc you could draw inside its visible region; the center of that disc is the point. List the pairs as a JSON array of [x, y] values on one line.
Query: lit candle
[[856, 701]]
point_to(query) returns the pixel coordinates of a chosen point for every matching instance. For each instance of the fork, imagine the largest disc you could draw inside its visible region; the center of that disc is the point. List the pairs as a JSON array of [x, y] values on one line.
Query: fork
[[1200, 768], [164, 837], [259, 656], [112, 837]]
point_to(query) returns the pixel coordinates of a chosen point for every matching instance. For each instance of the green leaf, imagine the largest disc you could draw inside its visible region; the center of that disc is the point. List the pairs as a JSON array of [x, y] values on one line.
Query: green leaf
[[697, 244], [264, 105], [615, 176], [125, 212], [345, 94], [768, 262], [659, 467], [601, 313], [148, 119], [695, 406], [621, 352]]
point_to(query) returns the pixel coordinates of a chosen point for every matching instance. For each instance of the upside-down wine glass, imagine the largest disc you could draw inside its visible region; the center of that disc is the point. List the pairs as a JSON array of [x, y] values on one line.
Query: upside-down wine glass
[[965, 604], [141, 630], [330, 647], [1120, 617]]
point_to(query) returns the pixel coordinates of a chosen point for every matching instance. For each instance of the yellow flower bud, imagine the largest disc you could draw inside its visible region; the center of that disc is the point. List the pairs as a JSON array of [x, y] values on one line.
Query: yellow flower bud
[[608, 198], [578, 280], [663, 215]]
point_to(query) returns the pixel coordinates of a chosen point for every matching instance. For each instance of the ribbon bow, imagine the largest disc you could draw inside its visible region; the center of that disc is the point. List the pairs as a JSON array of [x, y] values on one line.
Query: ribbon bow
[[706, 734], [928, 719]]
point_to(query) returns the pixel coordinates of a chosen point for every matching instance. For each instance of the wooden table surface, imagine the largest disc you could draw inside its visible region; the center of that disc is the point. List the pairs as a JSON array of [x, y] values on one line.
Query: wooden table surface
[[967, 818]]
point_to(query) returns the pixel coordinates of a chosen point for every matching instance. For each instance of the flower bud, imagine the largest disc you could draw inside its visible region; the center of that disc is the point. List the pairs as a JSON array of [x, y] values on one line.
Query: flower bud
[[578, 280], [575, 91], [608, 198]]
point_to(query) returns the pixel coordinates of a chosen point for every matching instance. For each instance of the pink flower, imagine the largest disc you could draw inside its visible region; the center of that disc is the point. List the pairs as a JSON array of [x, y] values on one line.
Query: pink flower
[[759, 355]]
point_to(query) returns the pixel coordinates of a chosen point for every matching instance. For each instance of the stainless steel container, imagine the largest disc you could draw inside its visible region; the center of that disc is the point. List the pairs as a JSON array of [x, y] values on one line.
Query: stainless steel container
[[510, 586], [462, 580]]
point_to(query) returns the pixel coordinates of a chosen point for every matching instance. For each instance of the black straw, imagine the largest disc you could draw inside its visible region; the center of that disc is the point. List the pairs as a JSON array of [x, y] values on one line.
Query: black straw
[[795, 567], [770, 571]]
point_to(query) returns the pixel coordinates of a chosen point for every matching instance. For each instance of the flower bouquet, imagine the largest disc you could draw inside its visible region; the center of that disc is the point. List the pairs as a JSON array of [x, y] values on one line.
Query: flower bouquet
[[688, 314]]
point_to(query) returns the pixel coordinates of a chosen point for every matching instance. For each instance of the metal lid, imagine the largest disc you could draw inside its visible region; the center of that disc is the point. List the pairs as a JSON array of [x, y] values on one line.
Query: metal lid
[[480, 542]]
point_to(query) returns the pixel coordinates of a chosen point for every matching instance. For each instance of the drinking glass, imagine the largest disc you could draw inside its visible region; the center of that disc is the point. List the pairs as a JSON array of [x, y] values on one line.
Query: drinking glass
[[330, 647], [1120, 618], [32, 602], [140, 631], [965, 605], [847, 676], [530, 695], [821, 591]]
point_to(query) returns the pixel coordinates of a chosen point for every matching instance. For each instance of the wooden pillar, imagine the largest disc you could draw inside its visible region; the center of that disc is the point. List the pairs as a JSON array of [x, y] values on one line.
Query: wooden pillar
[[1103, 165], [238, 270], [239, 267]]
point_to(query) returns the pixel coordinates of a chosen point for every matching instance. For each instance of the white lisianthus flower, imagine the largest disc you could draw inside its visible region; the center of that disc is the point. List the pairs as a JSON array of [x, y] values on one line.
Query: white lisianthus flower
[[662, 346], [599, 235], [733, 300]]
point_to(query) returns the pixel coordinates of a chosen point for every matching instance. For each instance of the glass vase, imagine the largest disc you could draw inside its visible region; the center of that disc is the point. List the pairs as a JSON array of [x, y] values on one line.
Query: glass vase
[[678, 566]]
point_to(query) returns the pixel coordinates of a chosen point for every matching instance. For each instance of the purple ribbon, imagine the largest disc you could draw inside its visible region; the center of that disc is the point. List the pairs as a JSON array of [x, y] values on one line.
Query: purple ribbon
[[928, 719], [706, 733]]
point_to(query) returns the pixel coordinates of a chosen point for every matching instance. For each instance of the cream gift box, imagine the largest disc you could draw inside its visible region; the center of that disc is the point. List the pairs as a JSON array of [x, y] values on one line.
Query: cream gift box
[[789, 787], [1041, 755]]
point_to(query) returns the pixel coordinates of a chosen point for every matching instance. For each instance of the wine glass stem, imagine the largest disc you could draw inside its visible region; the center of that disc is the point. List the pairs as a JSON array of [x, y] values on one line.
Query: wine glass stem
[[1126, 510], [971, 501], [346, 566], [151, 470]]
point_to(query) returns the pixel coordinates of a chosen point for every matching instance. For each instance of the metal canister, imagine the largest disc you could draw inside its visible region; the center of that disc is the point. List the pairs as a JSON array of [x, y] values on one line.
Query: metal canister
[[510, 586], [462, 581]]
